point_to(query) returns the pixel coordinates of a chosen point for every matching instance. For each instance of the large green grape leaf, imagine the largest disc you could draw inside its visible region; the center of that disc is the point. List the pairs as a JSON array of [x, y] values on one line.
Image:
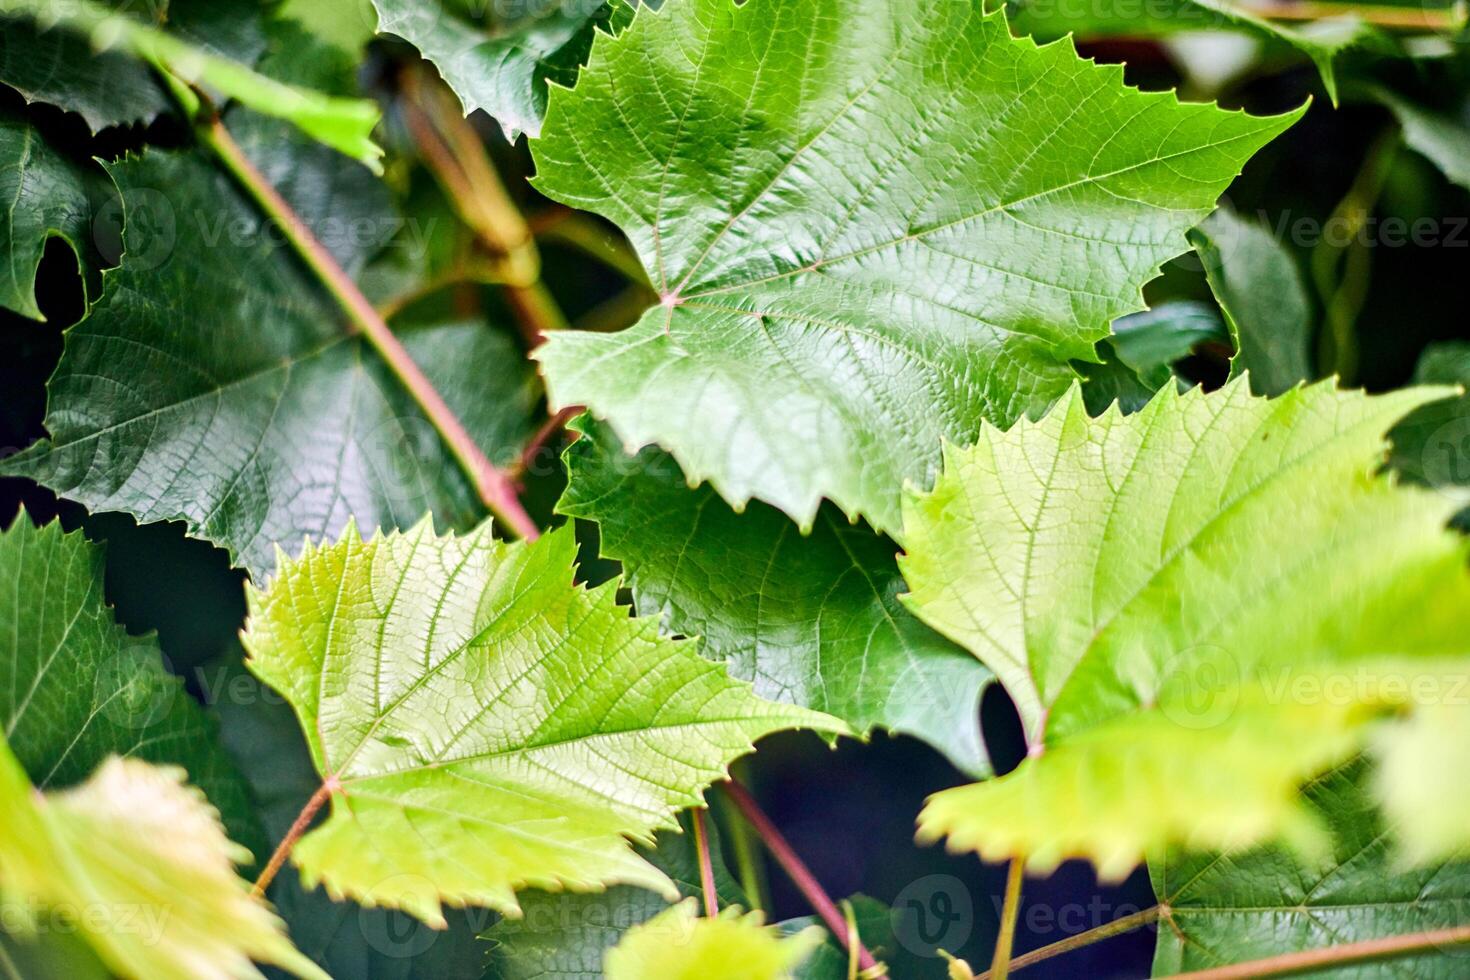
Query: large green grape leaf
[[500, 57], [812, 620], [679, 944], [873, 224], [141, 864], [1234, 908], [75, 688], [1259, 287], [48, 195], [483, 724], [1152, 590], [111, 88], [216, 382], [566, 936], [1322, 40]]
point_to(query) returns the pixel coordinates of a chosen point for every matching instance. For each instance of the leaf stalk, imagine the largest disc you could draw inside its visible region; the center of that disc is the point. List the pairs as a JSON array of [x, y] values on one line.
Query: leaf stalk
[[283, 849], [706, 865], [1333, 956], [801, 876], [494, 489]]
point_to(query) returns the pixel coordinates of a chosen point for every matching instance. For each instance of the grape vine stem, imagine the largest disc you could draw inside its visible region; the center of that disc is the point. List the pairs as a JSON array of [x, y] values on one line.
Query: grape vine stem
[[283, 849], [1000, 964], [802, 877], [1332, 956], [706, 865], [495, 490], [1117, 927]]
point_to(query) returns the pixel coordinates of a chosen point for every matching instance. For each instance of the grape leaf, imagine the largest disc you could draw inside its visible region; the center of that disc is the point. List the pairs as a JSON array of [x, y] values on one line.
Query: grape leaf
[[75, 688], [1322, 40], [215, 381], [1150, 588], [1420, 780], [1138, 359], [111, 88], [1234, 908], [483, 724], [50, 195], [1442, 139], [566, 936], [679, 944], [811, 620], [1260, 290], [345, 124], [873, 225], [501, 62], [1431, 446], [259, 730], [141, 861]]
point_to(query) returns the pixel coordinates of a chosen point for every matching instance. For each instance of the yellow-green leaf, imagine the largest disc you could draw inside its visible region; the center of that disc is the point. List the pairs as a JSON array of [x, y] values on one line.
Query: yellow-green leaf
[[1195, 608], [677, 944], [486, 725], [137, 860]]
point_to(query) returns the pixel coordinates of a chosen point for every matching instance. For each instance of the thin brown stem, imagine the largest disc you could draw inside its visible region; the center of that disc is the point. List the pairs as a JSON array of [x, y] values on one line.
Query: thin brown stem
[[283, 850], [453, 152], [1334, 956], [706, 866], [802, 877], [1117, 927], [1000, 963], [495, 491], [530, 460]]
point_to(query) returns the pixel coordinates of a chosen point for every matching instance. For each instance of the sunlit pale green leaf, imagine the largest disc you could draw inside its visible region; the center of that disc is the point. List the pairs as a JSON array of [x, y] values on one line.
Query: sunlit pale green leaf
[[873, 224], [1154, 589], [140, 862], [486, 726], [678, 944]]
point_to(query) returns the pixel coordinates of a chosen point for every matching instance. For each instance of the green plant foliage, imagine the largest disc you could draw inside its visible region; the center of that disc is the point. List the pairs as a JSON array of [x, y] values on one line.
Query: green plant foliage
[[75, 688], [502, 62], [122, 852], [837, 301], [567, 935], [1261, 293], [49, 196], [1139, 358], [49, 64], [1228, 909], [1323, 41], [460, 684], [678, 945], [1442, 139], [284, 424], [343, 124], [1147, 621], [812, 620]]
